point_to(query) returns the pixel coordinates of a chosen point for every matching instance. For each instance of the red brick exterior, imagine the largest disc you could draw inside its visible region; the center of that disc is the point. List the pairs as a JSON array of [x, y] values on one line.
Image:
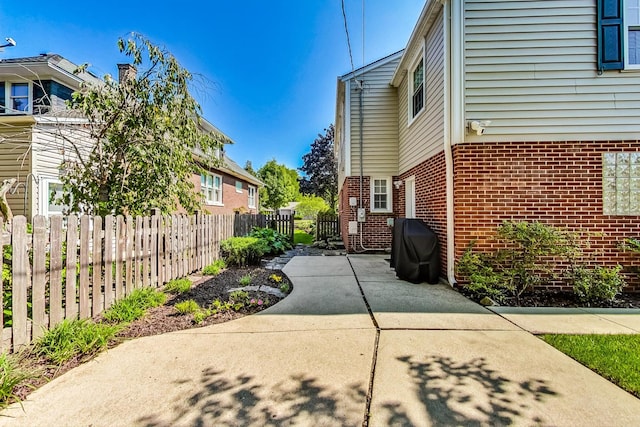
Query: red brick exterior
[[555, 183], [232, 200], [376, 234], [431, 200]]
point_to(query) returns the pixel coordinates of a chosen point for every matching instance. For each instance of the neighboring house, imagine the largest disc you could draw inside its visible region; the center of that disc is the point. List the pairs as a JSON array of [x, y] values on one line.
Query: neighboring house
[[289, 209], [33, 92], [497, 110], [229, 189]]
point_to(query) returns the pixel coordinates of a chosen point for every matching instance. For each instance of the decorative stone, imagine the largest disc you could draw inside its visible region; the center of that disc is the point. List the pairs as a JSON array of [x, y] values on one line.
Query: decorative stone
[[488, 302]]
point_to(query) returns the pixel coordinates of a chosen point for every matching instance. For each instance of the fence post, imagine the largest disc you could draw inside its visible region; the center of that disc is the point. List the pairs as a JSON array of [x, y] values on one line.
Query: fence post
[[39, 245], [20, 270]]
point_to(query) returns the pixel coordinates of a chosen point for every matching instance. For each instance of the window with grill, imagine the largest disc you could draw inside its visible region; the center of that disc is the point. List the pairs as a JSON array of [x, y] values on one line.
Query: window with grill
[[211, 188], [418, 88], [381, 195]]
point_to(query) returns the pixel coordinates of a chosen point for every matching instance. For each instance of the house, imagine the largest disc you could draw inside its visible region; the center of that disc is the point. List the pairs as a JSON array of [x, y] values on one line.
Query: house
[[33, 92], [497, 110]]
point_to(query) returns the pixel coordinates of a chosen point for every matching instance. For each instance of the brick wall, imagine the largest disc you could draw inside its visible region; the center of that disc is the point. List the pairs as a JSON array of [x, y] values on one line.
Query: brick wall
[[431, 200], [555, 183], [375, 232], [231, 199]]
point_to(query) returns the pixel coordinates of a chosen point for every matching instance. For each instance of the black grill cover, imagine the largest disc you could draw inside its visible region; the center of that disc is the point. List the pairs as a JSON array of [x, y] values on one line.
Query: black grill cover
[[415, 251]]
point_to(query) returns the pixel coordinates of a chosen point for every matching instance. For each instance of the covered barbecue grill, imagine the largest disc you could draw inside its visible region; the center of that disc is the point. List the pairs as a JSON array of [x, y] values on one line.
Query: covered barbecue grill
[[415, 251]]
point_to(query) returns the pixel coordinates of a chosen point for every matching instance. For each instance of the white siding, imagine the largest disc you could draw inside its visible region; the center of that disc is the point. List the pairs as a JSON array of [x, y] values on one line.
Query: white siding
[[380, 128], [424, 137], [15, 162], [530, 68]]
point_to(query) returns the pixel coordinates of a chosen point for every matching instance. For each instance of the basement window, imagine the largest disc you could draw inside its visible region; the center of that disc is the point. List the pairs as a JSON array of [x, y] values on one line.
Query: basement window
[[621, 183]]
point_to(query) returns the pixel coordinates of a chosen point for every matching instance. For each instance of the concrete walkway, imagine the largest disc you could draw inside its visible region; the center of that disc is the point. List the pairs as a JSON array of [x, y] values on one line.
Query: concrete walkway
[[349, 330]]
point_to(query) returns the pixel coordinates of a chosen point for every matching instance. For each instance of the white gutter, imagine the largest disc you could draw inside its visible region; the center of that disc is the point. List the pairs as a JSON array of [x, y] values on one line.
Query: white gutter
[[453, 129]]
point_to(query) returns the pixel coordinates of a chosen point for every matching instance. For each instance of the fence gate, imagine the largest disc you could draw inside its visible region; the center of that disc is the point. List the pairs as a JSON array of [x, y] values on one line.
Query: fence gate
[[327, 225]]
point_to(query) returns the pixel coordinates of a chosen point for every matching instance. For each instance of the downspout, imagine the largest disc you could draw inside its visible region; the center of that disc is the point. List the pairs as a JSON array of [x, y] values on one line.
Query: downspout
[[452, 75], [360, 88]]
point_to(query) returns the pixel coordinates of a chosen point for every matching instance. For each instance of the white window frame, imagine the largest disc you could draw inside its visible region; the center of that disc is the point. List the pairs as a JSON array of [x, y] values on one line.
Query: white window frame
[[627, 28], [251, 197], [388, 192], [44, 196], [621, 183], [420, 57], [8, 99], [212, 194], [239, 190]]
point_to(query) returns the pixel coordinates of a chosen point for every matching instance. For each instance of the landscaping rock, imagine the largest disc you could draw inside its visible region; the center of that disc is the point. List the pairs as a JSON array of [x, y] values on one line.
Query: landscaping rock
[[488, 302]]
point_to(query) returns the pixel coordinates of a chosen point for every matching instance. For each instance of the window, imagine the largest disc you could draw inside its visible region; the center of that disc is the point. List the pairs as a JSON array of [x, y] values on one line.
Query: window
[[252, 197], [381, 195], [51, 198], [621, 183], [418, 88], [618, 34], [632, 33], [238, 186], [211, 188], [20, 96]]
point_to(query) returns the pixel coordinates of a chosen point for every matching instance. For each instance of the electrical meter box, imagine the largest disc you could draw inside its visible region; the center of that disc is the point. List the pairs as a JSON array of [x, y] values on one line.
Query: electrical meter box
[[353, 201], [353, 227], [361, 214]]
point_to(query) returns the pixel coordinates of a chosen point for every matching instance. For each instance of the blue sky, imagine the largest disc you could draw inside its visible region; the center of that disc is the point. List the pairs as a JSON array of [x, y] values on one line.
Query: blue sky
[[270, 67]]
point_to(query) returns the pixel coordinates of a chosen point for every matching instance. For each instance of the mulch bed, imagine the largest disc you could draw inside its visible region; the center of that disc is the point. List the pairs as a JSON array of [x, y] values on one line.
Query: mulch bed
[[560, 299], [165, 318]]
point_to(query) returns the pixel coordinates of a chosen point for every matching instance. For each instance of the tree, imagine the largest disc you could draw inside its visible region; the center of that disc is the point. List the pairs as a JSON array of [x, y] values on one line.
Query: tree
[[280, 185], [320, 169], [137, 150], [310, 206], [249, 168]]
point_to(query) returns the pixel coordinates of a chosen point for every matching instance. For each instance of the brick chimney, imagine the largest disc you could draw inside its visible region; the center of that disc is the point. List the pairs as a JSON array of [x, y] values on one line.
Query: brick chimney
[[126, 72]]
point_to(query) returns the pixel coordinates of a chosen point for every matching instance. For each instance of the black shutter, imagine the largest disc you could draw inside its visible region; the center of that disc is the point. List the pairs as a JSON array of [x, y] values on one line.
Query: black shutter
[[610, 35]]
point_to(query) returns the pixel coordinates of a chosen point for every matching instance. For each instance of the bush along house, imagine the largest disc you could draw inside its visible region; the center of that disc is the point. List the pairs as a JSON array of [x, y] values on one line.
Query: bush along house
[[497, 111]]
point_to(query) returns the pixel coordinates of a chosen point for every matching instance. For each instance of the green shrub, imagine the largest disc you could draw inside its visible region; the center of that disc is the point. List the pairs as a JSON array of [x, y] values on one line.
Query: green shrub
[[245, 280], [597, 284], [178, 286], [200, 315], [187, 307], [284, 287], [12, 374], [527, 261], [72, 338], [215, 268], [275, 242], [242, 250], [134, 306]]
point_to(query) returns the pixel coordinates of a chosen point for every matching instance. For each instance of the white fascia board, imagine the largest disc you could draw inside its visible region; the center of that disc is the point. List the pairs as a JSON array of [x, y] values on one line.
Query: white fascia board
[[371, 66]]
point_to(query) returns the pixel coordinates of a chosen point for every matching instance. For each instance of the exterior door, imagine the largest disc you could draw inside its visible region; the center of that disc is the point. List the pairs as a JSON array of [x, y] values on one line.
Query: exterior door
[[410, 197]]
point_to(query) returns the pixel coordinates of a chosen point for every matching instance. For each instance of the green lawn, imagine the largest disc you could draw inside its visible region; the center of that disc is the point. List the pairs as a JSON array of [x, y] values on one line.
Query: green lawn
[[615, 357], [300, 236]]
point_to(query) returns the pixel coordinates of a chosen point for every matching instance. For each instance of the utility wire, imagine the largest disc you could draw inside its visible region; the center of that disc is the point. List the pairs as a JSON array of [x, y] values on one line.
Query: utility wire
[[346, 30]]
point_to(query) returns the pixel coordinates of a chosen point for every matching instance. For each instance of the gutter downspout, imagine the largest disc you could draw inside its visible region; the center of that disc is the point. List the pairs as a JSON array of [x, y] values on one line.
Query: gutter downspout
[[453, 76], [360, 88]]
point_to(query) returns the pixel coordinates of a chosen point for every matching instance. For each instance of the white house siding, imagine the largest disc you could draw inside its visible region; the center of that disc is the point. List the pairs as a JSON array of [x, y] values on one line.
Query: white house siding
[[423, 138], [380, 128], [530, 68], [15, 159]]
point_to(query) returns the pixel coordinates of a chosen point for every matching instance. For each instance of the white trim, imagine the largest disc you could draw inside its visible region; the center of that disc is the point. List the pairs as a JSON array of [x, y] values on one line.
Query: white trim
[[420, 56], [410, 184], [8, 104], [625, 54], [255, 197], [372, 66], [212, 202], [454, 113], [389, 193], [43, 196], [347, 129]]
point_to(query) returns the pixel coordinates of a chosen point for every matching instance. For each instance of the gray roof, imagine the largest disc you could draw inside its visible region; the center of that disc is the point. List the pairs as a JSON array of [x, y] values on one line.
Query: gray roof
[[44, 57], [234, 169]]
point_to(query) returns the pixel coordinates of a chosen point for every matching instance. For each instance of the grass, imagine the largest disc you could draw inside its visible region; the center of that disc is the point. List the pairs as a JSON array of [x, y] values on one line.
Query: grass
[[300, 236], [134, 306], [178, 286], [11, 375], [215, 268], [615, 357], [187, 307], [72, 338]]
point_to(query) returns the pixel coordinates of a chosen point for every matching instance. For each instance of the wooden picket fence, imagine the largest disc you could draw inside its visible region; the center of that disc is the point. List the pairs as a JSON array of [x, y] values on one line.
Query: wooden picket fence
[[78, 267], [327, 225], [243, 223]]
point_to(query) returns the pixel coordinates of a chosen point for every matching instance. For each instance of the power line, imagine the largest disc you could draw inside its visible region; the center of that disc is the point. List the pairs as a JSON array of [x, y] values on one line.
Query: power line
[[346, 30]]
